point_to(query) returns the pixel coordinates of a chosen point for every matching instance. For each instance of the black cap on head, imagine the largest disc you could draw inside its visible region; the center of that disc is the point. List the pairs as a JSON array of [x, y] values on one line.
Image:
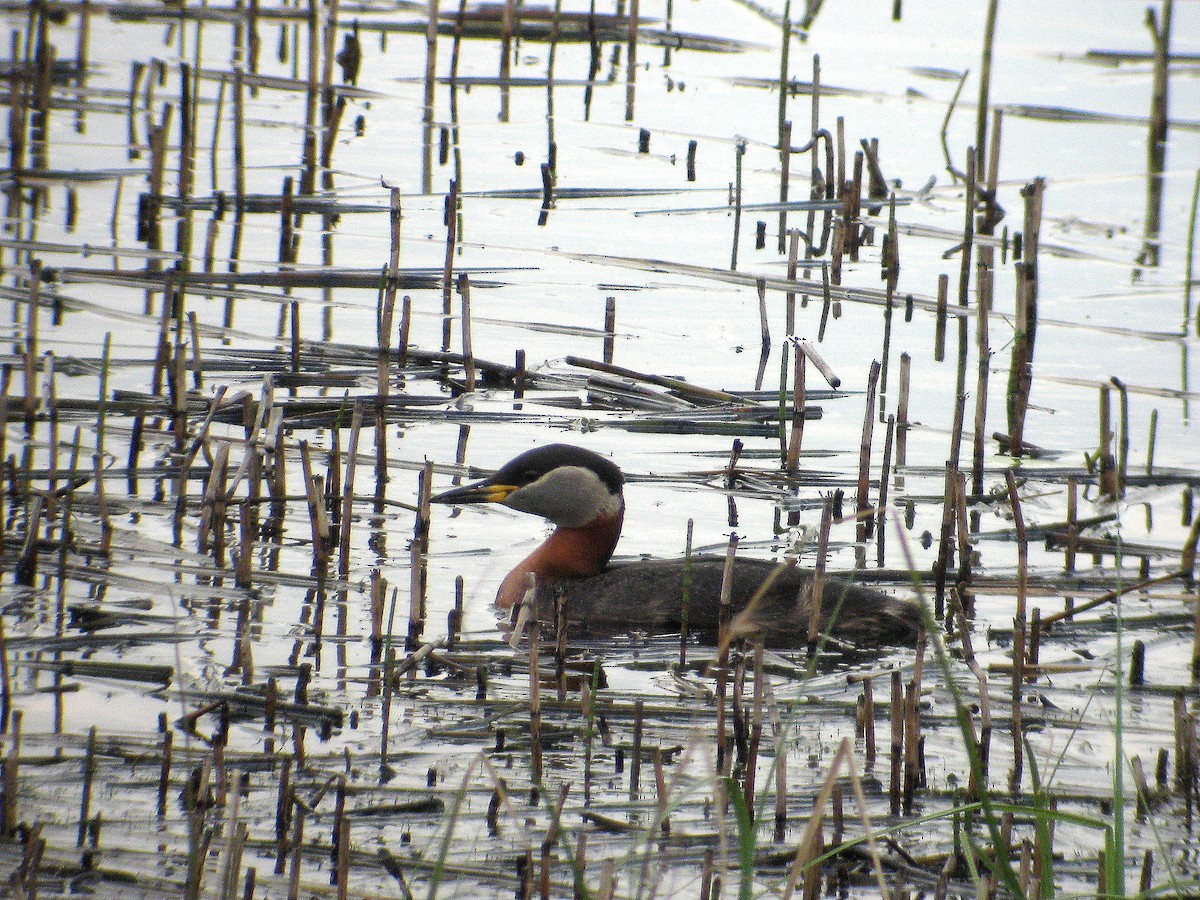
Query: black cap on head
[[533, 464]]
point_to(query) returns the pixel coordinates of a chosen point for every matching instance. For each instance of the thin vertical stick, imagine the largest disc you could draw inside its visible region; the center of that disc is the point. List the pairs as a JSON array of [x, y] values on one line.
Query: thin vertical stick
[[1018, 670], [610, 328], [739, 152], [464, 291], [985, 77], [631, 60], [450, 220], [817, 584], [939, 334], [984, 353], [798, 399], [431, 36], [506, 33], [902, 423], [862, 499]]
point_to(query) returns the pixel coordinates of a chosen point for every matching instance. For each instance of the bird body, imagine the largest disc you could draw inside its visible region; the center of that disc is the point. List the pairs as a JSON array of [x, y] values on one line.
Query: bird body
[[582, 493], [649, 594]]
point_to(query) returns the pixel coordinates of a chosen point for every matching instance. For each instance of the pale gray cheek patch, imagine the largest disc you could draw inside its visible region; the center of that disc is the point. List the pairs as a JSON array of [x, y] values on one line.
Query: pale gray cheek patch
[[569, 496]]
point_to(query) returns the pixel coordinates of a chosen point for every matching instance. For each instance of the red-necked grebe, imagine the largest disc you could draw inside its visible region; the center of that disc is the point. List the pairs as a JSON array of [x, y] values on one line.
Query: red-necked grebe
[[581, 492]]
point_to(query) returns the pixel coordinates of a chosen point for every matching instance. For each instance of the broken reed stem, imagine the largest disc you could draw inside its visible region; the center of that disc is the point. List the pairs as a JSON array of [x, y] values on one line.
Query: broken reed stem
[[942, 565], [506, 36], [984, 358], [348, 491], [785, 160], [985, 78], [1020, 374], [902, 423], [939, 333], [610, 329], [31, 344], [796, 436], [738, 153], [817, 584], [1156, 134], [427, 108], [1123, 443], [884, 477], [535, 693], [723, 761], [864, 515], [631, 59], [831, 378], [1018, 651], [419, 552], [985, 708], [450, 220], [635, 762], [686, 596], [756, 714], [464, 292], [964, 272]]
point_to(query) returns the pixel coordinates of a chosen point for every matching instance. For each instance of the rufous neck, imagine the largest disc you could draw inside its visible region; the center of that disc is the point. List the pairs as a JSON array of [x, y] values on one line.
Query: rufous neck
[[567, 553]]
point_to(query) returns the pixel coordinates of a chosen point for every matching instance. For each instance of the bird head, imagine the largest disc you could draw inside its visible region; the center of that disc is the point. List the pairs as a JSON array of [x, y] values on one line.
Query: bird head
[[567, 485]]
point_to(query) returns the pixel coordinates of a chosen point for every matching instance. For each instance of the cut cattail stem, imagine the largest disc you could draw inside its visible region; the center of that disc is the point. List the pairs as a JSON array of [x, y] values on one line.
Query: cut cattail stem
[[939, 334], [610, 328]]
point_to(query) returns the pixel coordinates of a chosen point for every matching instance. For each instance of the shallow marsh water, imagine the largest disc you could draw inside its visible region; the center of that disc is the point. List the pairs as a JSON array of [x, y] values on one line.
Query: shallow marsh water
[[636, 223]]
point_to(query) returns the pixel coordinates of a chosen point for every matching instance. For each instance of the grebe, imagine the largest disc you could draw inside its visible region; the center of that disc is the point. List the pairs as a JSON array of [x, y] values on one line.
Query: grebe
[[581, 492]]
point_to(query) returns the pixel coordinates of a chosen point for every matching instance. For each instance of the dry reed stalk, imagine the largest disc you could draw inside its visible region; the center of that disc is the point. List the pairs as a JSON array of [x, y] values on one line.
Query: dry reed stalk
[[25, 571], [723, 761], [985, 77], [814, 356], [983, 351], [793, 252], [817, 584], [756, 714], [810, 845], [738, 152], [507, 22], [1156, 135], [10, 780], [1123, 443], [1020, 376], [1018, 650], [464, 291], [939, 333], [964, 273], [450, 221], [884, 477], [963, 579], [31, 402], [896, 722], [796, 437], [863, 510], [912, 743], [610, 329], [785, 164], [419, 553], [405, 330], [631, 58], [985, 707], [635, 763], [535, 696], [388, 679], [347, 499], [5, 681], [89, 774], [731, 478]]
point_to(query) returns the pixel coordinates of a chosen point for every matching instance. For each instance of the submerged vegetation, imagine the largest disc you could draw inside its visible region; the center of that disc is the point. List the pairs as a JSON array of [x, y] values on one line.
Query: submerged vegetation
[[276, 272]]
